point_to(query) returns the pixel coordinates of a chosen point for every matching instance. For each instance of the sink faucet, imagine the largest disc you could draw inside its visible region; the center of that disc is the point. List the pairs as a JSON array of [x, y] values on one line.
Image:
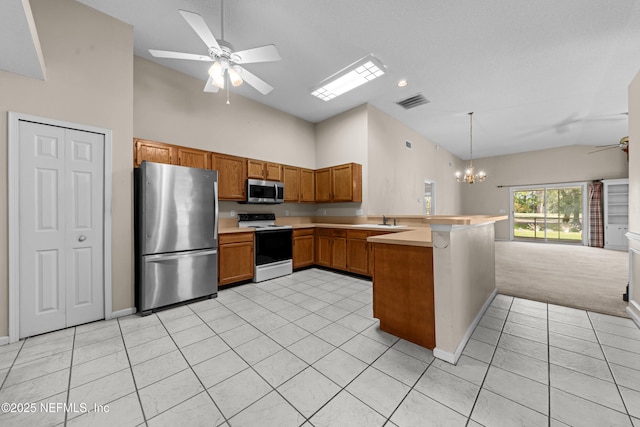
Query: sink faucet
[[394, 222], [384, 220]]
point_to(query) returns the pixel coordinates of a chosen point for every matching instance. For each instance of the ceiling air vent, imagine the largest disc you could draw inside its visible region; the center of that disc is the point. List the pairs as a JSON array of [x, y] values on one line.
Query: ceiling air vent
[[413, 101]]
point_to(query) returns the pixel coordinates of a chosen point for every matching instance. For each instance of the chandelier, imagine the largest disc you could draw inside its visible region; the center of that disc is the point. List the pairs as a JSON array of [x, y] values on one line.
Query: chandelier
[[470, 176]]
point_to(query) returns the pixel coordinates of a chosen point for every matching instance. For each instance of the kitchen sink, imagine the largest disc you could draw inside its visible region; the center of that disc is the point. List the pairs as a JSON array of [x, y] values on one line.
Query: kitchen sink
[[379, 226]]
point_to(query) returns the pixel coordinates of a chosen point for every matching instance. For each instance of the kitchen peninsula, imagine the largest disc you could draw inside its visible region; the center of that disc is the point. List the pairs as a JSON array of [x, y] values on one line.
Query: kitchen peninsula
[[432, 285]]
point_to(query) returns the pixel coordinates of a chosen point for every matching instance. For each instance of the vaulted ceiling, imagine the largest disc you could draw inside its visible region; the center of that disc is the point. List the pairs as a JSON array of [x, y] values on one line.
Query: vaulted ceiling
[[537, 74]]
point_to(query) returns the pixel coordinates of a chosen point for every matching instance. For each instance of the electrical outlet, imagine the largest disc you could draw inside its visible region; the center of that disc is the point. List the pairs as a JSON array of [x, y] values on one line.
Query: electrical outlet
[[232, 214], [359, 212], [503, 211], [286, 212], [324, 212]]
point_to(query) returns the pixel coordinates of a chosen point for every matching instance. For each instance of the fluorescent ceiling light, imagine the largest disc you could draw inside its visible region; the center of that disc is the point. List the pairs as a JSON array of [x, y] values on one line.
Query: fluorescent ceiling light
[[360, 72]]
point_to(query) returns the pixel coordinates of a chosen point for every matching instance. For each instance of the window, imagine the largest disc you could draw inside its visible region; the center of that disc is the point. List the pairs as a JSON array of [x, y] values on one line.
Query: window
[[549, 213], [429, 207]]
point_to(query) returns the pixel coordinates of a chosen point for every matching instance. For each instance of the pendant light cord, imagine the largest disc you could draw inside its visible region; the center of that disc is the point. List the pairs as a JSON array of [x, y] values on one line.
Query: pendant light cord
[[471, 139]]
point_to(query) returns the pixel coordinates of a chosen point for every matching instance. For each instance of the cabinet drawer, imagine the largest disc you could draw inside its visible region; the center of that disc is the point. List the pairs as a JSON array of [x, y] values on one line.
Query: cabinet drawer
[[323, 231], [224, 239], [339, 233], [303, 232], [357, 234]]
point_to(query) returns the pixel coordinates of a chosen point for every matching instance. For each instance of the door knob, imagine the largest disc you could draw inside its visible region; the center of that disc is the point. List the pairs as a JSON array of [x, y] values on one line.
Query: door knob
[[82, 238]]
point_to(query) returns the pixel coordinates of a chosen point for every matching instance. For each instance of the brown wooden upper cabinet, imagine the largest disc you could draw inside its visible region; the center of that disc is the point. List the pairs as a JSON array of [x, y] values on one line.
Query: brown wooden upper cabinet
[[232, 176], [291, 175], [341, 183], [307, 186], [193, 158], [259, 169], [298, 184], [153, 151]]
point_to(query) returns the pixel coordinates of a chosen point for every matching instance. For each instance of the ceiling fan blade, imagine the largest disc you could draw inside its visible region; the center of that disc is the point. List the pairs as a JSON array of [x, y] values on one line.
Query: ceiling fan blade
[[608, 145], [255, 81], [266, 53], [201, 28], [603, 149], [179, 55], [210, 86]]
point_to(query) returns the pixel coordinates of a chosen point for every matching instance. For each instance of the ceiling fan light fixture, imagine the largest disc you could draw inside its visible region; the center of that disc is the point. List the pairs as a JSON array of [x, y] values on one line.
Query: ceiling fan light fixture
[[360, 72], [234, 77], [216, 70]]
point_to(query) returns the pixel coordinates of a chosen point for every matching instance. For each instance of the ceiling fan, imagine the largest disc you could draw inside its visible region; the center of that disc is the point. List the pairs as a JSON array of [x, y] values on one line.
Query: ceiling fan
[[623, 145], [226, 66]]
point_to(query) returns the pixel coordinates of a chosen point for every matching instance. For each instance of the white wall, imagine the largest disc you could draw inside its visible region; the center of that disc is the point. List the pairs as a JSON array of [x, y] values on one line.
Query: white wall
[[396, 174], [89, 62], [171, 107], [343, 139], [556, 165], [634, 195]]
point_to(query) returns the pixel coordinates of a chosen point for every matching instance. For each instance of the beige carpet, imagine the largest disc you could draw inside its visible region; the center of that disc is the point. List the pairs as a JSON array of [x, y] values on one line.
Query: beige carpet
[[574, 276]]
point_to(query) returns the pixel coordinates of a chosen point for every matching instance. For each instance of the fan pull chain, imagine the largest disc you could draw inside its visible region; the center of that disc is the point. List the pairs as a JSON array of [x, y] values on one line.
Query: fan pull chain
[[227, 85]]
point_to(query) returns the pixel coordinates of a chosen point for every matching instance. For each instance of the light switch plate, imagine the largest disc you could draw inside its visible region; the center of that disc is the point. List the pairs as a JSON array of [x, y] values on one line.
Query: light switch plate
[[359, 212], [232, 214]]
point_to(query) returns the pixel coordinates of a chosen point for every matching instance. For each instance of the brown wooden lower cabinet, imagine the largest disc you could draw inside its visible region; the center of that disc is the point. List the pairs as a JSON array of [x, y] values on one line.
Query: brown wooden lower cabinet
[[358, 252], [331, 248], [303, 247], [235, 257], [403, 292]]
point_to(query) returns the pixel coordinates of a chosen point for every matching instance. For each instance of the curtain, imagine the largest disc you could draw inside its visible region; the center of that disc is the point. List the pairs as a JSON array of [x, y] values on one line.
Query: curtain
[[596, 223]]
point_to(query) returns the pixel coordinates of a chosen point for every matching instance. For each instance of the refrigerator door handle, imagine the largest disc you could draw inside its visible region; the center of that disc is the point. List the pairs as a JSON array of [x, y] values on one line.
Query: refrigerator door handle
[[165, 257], [216, 211]]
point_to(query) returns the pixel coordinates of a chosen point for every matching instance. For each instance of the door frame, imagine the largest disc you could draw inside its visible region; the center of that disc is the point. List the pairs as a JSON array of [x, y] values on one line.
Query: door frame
[[585, 206], [13, 123]]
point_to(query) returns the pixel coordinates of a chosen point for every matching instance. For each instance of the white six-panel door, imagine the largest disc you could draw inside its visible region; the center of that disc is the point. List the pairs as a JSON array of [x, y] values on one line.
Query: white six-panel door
[[61, 185]]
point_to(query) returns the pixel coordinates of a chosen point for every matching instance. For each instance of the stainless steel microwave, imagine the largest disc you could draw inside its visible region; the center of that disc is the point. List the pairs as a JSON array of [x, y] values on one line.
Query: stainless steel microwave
[[267, 192]]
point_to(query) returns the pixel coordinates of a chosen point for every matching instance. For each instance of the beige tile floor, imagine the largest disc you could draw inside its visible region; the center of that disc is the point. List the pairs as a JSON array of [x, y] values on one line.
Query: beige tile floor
[[304, 350]]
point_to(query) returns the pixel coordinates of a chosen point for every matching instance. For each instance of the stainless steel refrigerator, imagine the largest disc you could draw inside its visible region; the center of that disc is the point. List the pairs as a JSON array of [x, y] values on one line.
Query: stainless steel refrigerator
[[176, 225]]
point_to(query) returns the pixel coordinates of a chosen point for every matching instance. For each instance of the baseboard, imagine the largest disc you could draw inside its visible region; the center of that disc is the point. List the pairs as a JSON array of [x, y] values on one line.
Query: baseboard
[[123, 312], [633, 314], [4, 340], [453, 357]]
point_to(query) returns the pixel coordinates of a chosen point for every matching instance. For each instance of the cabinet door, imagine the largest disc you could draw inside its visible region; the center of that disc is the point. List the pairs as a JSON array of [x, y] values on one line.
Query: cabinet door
[[291, 184], [152, 151], [323, 250], [323, 185], [303, 251], [346, 183], [273, 171], [235, 262], [232, 176], [193, 158], [307, 186], [255, 169], [339, 253], [358, 256]]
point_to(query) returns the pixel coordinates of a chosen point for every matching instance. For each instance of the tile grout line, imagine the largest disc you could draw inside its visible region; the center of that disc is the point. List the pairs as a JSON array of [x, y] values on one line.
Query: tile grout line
[[73, 346], [490, 361], [12, 365], [624, 404], [308, 365], [206, 390], [311, 365], [135, 385]]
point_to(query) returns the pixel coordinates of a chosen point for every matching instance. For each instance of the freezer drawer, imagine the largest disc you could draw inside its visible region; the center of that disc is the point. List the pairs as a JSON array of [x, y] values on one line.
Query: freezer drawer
[[176, 277]]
